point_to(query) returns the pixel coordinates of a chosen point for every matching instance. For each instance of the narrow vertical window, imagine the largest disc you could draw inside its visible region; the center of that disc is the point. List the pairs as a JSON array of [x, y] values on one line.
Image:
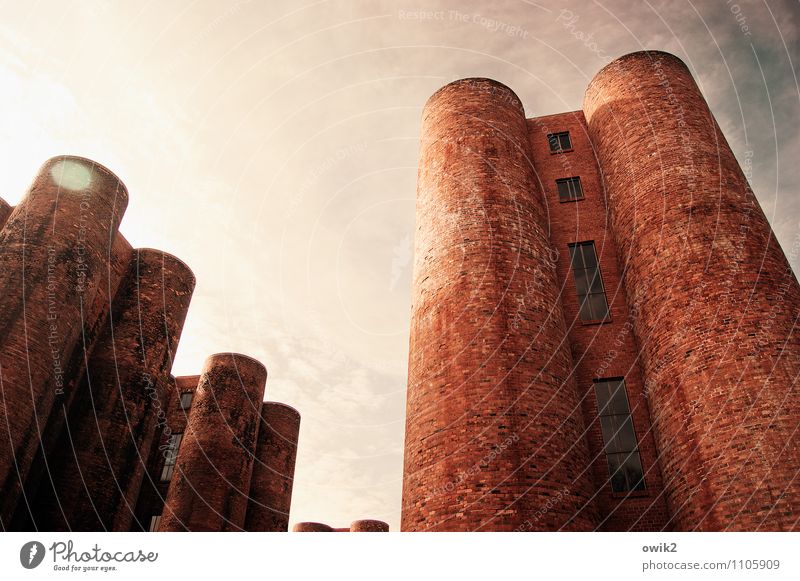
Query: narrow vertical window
[[171, 456], [155, 521], [186, 400], [619, 437], [588, 282], [559, 142], [569, 189]]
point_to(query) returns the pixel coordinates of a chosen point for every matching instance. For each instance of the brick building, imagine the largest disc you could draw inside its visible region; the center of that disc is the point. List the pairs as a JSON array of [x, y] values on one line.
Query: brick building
[[98, 435], [603, 324]]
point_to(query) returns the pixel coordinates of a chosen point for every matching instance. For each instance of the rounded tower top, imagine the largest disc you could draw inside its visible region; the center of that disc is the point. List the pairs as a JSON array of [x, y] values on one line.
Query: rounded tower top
[[605, 76], [477, 84], [75, 173]]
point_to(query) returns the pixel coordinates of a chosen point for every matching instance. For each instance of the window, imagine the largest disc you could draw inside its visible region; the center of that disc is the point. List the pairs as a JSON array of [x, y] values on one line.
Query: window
[[155, 520], [559, 142], [588, 282], [619, 438], [186, 400], [171, 456], [569, 189]]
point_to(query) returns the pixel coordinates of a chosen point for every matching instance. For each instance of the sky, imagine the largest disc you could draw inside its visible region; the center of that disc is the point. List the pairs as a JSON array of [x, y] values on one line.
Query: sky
[[272, 145]]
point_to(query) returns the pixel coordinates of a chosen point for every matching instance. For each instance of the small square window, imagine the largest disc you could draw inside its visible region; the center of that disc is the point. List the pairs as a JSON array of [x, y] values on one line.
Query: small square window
[[186, 400], [559, 142], [569, 189]]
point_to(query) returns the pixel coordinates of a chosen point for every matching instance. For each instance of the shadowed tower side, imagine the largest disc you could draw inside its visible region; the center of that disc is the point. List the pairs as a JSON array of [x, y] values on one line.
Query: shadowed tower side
[[54, 269], [273, 471]]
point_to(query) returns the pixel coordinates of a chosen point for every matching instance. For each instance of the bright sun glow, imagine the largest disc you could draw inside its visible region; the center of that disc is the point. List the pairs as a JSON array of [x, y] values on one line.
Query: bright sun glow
[[71, 174]]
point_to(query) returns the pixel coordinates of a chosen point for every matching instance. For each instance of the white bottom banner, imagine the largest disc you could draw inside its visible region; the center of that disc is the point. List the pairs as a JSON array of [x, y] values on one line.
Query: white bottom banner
[[410, 556]]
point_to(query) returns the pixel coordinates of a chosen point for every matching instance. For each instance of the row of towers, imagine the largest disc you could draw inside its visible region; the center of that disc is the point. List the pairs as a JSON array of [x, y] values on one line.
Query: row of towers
[[98, 435], [603, 323]]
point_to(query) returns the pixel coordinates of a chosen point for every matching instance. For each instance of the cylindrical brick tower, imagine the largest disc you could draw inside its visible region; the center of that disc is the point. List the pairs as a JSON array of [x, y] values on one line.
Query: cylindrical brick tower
[[210, 487], [311, 527], [54, 255], [273, 471], [493, 423], [5, 212], [715, 302], [369, 526], [112, 424], [39, 487]]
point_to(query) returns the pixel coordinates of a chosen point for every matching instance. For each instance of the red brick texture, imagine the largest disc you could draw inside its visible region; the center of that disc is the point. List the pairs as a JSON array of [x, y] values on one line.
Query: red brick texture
[[38, 485], [5, 211], [494, 428], [54, 272], [599, 350], [273, 470], [311, 527], [713, 298], [369, 526], [113, 423], [210, 487], [153, 491]]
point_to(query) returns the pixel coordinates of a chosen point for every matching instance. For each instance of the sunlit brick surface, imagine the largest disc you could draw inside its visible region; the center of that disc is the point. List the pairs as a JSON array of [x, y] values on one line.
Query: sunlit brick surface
[[714, 298], [494, 430]]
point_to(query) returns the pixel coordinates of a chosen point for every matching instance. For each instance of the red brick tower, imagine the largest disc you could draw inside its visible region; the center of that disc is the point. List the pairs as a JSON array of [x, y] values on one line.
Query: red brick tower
[[311, 527], [210, 487], [112, 424], [54, 272], [714, 300], [369, 526], [273, 471], [494, 431]]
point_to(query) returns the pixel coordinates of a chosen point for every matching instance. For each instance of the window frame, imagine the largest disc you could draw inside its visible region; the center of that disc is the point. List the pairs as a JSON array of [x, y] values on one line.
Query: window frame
[[171, 456], [183, 406], [579, 276], [558, 135], [630, 487], [567, 181]]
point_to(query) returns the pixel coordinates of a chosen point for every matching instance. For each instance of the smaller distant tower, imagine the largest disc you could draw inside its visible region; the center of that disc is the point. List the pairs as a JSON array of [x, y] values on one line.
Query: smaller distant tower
[[273, 471], [211, 482]]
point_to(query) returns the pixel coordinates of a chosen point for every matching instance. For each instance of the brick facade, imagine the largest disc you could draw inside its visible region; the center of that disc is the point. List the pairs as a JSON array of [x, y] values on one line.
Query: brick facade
[[701, 301], [90, 328]]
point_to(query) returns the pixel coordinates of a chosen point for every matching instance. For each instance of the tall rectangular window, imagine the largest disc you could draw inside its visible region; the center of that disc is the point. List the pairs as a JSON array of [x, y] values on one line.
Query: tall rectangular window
[[569, 189], [559, 141], [588, 282], [619, 437], [171, 456], [186, 400]]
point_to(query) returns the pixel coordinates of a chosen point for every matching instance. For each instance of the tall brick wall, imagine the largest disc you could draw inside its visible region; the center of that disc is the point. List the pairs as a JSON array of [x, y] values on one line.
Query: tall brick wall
[[494, 429], [210, 487], [54, 269], [599, 350], [715, 299], [271, 484], [112, 425], [39, 485]]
